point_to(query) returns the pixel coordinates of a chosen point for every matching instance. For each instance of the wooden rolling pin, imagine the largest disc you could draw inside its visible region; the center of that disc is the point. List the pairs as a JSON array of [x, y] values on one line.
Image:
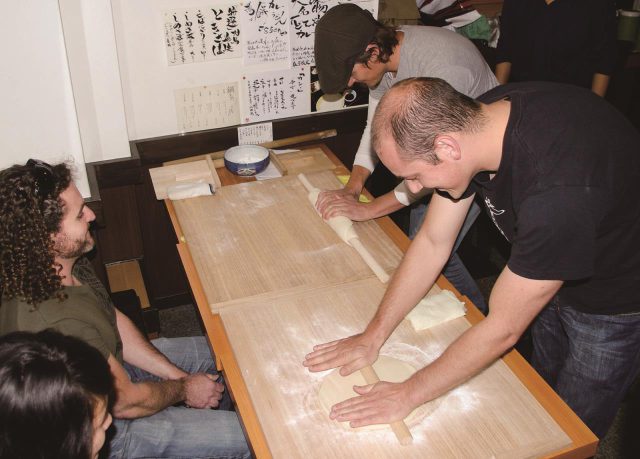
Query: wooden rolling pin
[[351, 238], [399, 427], [272, 144]]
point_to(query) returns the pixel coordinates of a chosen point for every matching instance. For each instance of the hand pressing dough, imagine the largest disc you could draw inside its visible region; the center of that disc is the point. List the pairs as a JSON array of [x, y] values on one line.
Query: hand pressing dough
[[343, 226], [335, 388], [436, 309]]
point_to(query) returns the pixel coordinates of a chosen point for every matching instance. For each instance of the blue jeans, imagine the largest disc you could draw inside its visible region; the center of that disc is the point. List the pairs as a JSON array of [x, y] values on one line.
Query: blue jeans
[[589, 360], [454, 270], [178, 431]]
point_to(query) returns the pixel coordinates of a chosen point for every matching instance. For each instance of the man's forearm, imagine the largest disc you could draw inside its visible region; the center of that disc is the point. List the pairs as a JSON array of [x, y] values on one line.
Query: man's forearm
[[409, 284], [515, 301], [147, 398], [359, 175], [467, 356], [384, 205], [140, 352]]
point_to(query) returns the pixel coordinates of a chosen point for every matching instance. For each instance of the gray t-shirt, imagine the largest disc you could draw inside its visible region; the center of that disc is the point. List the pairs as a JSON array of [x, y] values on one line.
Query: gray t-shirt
[[440, 53], [428, 52]]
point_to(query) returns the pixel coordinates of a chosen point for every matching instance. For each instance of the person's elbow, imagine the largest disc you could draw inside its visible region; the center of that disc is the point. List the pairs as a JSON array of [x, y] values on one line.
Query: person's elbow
[[505, 335]]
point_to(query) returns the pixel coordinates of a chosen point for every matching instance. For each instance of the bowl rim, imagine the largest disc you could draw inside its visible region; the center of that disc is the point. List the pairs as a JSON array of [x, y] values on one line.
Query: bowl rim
[[264, 150]]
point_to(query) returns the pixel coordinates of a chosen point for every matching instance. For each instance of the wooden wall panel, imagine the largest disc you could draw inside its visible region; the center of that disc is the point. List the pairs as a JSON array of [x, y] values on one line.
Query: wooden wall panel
[[120, 238]]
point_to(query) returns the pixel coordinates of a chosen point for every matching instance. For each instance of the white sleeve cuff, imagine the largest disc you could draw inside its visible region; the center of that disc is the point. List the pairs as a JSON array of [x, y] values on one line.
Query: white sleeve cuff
[[365, 156], [406, 197]]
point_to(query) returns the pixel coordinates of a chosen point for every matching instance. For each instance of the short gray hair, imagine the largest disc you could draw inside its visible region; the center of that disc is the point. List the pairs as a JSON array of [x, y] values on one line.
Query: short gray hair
[[416, 110]]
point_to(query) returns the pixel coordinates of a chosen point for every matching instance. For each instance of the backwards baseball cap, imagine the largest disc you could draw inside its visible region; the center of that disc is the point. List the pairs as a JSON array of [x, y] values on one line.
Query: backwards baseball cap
[[342, 34]]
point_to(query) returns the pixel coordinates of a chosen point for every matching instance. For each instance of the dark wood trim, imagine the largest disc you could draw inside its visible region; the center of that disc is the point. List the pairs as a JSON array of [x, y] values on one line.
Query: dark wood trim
[[158, 150]]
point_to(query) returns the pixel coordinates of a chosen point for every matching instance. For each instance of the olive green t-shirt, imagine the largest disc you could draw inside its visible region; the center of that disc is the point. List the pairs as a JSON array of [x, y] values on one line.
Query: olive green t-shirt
[[87, 314]]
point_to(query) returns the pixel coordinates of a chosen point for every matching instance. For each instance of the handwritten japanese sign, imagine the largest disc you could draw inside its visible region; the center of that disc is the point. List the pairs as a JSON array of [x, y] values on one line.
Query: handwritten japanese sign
[[305, 14], [255, 133], [265, 31], [202, 34], [275, 95], [207, 107]]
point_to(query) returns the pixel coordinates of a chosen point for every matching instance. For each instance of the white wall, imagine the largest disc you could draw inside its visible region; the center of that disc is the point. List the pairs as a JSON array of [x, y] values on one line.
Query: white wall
[[37, 113], [95, 78], [148, 82]]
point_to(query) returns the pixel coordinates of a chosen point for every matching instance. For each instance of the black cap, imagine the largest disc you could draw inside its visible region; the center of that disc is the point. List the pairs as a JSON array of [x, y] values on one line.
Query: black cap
[[342, 34]]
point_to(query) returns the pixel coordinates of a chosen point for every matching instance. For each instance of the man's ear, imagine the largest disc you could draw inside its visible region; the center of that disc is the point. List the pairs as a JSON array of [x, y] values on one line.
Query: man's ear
[[447, 147], [373, 51]]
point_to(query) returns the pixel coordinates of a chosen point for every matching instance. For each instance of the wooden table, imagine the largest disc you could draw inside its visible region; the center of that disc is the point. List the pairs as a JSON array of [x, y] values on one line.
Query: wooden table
[[266, 381]]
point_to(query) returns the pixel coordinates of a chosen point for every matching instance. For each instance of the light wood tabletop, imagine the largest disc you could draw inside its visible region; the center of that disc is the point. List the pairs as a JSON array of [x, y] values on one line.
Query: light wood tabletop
[[231, 319]]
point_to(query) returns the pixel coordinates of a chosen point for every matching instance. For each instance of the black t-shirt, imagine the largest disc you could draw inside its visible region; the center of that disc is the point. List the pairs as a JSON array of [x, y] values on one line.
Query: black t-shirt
[[567, 194], [566, 41]]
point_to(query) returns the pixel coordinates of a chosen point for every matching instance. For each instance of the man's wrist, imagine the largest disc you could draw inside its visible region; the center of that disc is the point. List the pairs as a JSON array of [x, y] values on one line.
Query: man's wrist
[[183, 387], [376, 335], [176, 373], [354, 189], [415, 391]]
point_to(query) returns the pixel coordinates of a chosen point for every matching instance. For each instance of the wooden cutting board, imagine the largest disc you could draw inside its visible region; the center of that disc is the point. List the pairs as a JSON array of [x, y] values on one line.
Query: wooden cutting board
[[264, 238], [492, 415]]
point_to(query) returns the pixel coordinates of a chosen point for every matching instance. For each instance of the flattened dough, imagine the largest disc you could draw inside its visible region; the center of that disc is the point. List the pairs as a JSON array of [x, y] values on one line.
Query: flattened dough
[[336, 388], [436, 309], [343, 226]]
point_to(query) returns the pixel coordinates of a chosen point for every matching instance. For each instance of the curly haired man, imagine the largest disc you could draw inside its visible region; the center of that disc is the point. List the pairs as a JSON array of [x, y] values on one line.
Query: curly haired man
[[46, 282]]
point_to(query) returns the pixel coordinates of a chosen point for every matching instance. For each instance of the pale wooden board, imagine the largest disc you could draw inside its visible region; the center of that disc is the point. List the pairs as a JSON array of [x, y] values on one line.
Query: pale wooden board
[[306, 161], [167, 176], [492, 415], [265, 238]]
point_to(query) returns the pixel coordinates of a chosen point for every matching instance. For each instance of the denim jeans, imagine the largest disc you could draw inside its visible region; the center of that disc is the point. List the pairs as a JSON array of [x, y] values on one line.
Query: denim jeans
[[454, 270], [589, 360], [178, 431]]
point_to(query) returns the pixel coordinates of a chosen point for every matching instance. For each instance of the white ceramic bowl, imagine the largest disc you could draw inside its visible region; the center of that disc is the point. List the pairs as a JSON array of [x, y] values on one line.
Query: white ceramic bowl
[[246, 159]]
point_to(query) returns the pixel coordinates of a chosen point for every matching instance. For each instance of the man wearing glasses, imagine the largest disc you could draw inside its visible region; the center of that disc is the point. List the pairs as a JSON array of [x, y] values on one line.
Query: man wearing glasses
[[46, 282]]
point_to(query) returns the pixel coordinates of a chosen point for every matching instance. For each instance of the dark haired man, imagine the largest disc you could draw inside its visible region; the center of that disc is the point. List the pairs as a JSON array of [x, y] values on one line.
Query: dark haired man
[[558, 170], [48, 283], [352, 47]]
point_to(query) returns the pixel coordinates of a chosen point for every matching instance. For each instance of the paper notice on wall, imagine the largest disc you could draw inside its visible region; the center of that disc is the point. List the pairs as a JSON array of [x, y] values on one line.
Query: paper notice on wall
[[207, 107], [202, 34], [265, 31], [305, 14], [276, 94], [255, 134]]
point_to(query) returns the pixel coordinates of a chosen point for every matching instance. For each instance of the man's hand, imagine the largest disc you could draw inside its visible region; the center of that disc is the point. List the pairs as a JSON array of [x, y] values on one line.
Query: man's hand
[[202, 391], [380, 403], [350, 353], [342, 203]]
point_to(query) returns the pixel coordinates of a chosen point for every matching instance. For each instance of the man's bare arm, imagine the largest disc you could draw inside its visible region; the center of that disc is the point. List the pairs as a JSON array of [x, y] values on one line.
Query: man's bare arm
[[136, 400], [514, 303], [138, 351], [417, 272]]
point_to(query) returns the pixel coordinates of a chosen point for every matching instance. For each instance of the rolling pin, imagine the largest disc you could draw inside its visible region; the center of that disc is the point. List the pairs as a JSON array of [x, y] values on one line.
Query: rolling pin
[[399, 427], [344, 229]]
